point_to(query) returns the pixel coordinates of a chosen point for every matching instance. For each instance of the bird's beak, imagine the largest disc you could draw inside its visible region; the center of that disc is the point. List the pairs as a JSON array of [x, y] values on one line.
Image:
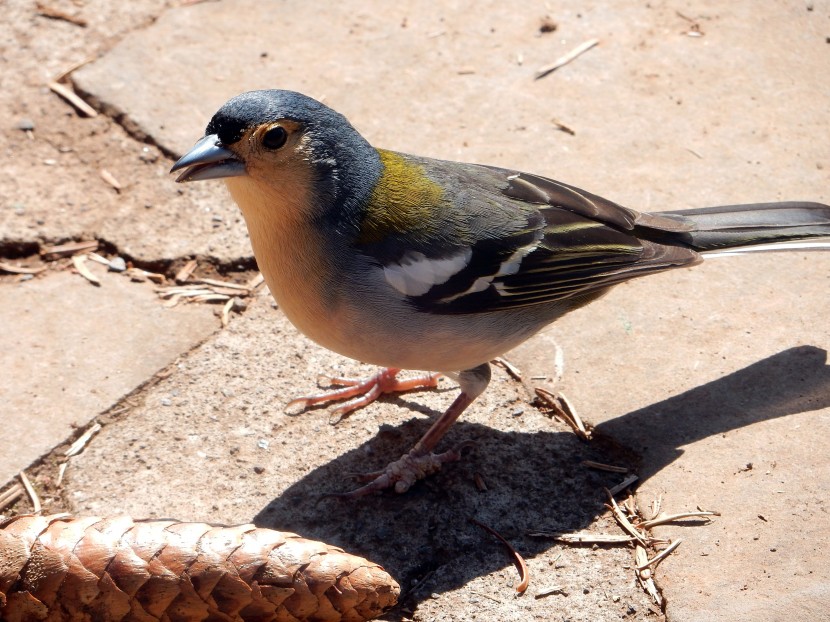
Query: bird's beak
[[208, 160]]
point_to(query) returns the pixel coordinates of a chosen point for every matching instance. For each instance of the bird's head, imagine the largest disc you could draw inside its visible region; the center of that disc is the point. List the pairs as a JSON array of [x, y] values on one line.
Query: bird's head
[[281, 150]]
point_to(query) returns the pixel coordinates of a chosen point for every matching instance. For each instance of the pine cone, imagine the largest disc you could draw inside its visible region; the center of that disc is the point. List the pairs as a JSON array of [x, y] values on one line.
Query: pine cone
[[63, 569]]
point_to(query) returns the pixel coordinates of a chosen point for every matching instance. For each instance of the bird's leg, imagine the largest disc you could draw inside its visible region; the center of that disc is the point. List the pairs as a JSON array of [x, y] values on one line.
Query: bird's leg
[[420, 462], [363, 392]]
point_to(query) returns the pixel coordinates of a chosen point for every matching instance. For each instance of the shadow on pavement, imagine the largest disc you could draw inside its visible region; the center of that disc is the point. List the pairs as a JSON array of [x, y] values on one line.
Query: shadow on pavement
[[793, 381], [535, 481]]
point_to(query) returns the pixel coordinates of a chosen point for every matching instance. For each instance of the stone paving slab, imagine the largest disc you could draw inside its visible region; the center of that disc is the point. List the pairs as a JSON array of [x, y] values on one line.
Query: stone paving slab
[[70, 350], [662, 120], [729, 411], [211, 442], [52, 188]]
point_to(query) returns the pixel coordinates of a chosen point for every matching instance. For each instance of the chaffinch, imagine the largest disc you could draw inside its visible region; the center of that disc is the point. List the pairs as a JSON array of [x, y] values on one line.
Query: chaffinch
[[415, 263]]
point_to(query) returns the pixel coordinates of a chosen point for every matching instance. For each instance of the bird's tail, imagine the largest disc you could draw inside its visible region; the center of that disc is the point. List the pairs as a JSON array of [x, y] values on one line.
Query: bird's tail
[[731, 229]]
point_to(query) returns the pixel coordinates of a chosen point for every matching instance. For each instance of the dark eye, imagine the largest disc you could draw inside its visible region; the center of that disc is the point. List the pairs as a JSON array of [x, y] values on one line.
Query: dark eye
[[274, 138]]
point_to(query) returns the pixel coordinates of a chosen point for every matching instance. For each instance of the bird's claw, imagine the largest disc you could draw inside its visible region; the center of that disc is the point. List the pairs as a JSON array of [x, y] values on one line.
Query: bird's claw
[[404, 472], [359, 393]]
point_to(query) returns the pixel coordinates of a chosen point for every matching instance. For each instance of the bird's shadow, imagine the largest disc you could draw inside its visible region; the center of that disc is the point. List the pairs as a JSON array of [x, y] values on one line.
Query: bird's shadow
[[534, 481], [793, 381]]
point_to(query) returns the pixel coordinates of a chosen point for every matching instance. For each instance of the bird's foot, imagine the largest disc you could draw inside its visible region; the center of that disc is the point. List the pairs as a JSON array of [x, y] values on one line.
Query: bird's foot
[[361, 392], [405, 471]]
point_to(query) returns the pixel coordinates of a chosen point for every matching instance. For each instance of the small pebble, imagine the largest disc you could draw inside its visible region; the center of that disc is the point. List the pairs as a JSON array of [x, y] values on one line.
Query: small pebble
[[117, 264], [25, 125], [148, 156], [262, 443], [259, 470], [165, 401]]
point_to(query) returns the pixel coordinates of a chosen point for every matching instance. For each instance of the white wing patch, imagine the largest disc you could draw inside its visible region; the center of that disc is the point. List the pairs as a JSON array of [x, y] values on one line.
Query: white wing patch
[[416, 273], [509, 266]]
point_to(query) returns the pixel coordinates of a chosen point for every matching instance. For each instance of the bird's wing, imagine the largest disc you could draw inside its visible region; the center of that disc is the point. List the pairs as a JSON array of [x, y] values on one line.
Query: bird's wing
[[529, 241]]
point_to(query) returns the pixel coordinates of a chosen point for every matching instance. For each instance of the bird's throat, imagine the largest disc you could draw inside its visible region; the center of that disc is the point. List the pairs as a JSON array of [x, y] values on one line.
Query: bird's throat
[[289, 252]]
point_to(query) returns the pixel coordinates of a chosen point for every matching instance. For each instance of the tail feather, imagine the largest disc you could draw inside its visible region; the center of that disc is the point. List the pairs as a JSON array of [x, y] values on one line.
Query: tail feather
[[734, 226]]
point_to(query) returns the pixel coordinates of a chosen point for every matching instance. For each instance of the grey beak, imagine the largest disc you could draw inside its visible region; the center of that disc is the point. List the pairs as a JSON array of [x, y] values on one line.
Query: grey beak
[[208, 160]]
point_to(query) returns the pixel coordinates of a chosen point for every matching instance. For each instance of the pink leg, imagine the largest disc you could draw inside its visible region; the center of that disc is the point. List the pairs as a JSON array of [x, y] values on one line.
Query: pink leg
[[420, 461], [363, 392]]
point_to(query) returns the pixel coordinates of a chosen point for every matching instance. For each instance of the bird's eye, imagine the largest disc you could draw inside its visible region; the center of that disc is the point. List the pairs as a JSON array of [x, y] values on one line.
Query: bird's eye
[[274, 138]]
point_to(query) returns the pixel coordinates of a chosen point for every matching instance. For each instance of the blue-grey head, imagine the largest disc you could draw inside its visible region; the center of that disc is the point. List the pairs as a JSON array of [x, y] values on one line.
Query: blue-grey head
[[287, 144]]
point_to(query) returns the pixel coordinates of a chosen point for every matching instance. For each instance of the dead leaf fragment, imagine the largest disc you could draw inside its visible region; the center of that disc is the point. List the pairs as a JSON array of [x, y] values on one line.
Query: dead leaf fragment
[[524, 576], [79, 261]]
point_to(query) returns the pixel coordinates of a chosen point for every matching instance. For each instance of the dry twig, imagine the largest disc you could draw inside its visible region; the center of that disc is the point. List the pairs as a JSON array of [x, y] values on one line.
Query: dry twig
[[567, 58], [226, 311], [547, 591], [224, 284], [187, 270], [61, 473], [79, 444], [10, 496], [584, 537], [660, 556], [70, 96], [256, 281], [7, 267], [644, 576], [604, 467], [563, 408], [668, 518], [67, 250], [563, 128], [623, 484], [53, 13], [110, 179], [629, 519], [509, 367], [30, 490], [623, 521]]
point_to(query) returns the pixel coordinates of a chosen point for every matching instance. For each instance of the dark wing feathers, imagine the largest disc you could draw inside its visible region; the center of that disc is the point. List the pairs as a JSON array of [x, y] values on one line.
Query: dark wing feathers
[[574, 244], [574, 256]]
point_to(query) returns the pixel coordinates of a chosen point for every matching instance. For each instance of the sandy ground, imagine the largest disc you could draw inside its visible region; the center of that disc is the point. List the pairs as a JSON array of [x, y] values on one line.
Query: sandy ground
[[712, 385]]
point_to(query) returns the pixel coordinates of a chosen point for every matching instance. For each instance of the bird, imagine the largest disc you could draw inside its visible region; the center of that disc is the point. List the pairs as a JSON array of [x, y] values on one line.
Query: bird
[[415, 263]]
